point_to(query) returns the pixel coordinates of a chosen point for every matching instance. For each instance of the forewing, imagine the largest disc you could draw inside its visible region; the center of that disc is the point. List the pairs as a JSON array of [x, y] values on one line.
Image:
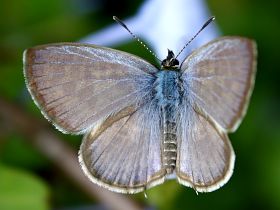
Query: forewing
[[205, 158], [218, 79], [125, 156], [77, 86]]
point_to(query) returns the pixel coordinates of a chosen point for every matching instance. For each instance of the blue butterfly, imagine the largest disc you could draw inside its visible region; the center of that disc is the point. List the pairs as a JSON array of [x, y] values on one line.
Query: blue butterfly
[[143, 124]]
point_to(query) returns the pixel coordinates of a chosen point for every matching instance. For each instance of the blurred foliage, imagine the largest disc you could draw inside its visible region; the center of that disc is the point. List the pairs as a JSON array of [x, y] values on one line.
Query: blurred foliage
[[29, 181], [21, 190]]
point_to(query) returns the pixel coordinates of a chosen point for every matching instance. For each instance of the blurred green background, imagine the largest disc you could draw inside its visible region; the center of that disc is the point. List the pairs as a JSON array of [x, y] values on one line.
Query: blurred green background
[[30, 180]]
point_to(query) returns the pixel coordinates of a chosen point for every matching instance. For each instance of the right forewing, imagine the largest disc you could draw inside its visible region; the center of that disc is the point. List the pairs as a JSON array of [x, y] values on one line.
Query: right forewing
[[219, 78]]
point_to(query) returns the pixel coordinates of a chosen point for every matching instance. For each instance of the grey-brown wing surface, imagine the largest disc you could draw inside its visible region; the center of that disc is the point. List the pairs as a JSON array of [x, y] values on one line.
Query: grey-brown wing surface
[[125, 156], [205, 158], [218, 79], [78, 86]]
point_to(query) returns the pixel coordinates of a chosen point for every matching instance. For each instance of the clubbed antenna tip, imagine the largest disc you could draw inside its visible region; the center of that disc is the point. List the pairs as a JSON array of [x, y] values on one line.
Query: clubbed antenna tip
[[204, 26]]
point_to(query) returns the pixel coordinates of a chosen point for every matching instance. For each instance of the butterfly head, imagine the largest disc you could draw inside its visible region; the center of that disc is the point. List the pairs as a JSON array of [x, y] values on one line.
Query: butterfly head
[[170, 62]]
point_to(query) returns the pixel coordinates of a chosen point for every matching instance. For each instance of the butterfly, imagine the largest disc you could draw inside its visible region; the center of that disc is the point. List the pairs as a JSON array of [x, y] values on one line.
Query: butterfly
[[143, 124]]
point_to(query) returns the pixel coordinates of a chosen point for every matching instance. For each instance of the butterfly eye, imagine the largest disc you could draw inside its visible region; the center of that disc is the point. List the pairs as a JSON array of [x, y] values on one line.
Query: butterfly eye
[[170, 62], [174, 62]]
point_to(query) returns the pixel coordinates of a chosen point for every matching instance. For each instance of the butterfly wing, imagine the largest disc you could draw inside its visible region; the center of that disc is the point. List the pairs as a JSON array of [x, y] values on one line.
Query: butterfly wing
[[78, 86], [205, 157], [219, 78], [125, 156]]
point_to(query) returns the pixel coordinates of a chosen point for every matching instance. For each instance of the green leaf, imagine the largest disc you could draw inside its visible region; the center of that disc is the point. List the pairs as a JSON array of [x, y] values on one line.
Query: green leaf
[[20, 190]]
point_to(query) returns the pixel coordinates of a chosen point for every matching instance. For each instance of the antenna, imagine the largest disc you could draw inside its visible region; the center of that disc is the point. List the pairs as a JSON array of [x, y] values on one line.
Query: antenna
[[204, 26], [134, 36]]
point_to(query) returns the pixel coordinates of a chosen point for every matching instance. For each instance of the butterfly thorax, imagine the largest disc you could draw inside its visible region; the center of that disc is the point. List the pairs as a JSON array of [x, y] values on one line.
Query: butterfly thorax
[[168, 96]]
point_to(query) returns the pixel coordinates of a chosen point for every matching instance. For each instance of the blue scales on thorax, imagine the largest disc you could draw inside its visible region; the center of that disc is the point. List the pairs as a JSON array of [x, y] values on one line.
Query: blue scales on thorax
[[168, 95]]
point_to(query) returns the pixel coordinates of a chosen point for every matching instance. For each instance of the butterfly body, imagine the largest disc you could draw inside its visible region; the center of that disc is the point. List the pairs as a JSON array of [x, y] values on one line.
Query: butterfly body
[[141, 123], [169, 95]]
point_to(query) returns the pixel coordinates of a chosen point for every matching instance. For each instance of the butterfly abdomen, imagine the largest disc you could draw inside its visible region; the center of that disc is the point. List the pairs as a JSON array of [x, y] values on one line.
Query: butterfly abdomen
[[168, 95]]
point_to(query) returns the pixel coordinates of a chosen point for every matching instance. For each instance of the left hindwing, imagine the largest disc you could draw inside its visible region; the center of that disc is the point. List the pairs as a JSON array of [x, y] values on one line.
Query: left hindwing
[[125, 156]]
